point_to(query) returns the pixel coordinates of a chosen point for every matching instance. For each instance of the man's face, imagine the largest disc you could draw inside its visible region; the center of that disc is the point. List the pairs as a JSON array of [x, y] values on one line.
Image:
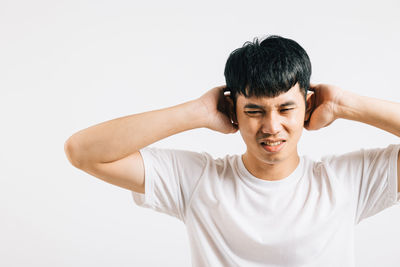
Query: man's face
[[271, 127]]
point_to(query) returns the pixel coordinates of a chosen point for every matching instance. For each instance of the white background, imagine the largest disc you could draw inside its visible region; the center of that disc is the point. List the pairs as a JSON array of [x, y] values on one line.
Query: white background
[[67, 65]]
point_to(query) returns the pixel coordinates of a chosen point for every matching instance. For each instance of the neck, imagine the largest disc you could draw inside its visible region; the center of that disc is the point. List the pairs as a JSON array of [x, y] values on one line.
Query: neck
[[267, 170]]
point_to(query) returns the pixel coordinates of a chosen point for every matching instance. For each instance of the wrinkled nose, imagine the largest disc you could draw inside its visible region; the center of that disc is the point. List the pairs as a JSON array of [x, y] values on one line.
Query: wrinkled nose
[[271, 124]]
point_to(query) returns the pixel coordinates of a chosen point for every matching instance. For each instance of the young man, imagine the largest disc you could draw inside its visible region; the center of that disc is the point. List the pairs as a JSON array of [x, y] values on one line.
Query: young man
[[267, 207]]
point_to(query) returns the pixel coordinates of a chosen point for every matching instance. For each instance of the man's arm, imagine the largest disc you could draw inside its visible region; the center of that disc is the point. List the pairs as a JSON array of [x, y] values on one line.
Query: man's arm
[[330, 103], [115, 139], [376, 112], [109, 150]]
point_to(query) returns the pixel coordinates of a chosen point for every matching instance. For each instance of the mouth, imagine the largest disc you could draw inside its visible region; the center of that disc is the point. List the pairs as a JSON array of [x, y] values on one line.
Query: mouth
[[273, 146]]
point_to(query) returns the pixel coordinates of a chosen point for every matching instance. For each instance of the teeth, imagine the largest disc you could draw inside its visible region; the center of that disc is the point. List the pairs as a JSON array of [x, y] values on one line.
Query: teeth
[[273, 144]]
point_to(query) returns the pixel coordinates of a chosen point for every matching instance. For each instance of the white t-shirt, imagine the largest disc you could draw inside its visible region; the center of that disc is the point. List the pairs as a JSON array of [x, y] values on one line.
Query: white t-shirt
[[235, 219]]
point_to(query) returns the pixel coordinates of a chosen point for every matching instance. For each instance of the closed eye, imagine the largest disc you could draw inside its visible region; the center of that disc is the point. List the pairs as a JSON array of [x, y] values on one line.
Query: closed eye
[[286, 109], [253, 112]]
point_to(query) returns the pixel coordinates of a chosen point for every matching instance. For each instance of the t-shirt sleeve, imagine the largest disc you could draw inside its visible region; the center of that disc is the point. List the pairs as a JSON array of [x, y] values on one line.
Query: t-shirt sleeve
[[369, 177], [170, 178]]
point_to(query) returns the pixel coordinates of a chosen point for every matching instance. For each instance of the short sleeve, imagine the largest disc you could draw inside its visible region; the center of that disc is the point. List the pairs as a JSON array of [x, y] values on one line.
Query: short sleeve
[[370, 178], [170, 178]]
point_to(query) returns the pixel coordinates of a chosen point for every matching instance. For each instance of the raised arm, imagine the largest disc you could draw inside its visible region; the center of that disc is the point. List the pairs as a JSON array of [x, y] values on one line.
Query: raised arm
[[109, 150], [330, 102]]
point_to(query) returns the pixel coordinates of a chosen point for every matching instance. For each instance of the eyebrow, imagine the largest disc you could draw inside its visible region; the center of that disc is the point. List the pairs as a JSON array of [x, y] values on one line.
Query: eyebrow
[[288, 103]]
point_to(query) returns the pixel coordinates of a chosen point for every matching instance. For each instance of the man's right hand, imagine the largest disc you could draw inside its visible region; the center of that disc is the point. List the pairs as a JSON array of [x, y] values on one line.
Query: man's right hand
[[119, 138], [110, 150], [218, 111]]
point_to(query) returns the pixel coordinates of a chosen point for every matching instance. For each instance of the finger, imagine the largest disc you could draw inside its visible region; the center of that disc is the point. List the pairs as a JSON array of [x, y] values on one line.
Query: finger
[[311, 93], [310, 105], [307, 125], [220, 89], [310, 127], [230, 127], [235, 128], [312, 86], [227, 93]]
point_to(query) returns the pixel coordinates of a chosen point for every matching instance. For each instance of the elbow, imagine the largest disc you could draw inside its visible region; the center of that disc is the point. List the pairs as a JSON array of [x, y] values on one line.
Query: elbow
[[71, 153]]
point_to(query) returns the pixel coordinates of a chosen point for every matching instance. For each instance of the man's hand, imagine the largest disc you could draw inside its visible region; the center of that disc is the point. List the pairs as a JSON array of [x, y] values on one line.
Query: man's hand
[[119, 138], [218, 111], [327, 103], [322, 105]]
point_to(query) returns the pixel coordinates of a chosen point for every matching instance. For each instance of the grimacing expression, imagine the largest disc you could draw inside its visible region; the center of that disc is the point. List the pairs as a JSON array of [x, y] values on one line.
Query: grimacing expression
[[263, 120]]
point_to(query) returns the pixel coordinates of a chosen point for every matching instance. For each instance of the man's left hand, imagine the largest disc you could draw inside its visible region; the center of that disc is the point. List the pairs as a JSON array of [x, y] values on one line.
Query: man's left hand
[[322, 105]]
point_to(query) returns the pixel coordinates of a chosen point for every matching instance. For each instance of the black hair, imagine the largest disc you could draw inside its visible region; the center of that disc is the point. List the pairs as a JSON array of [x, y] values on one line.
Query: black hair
[[267, 68]]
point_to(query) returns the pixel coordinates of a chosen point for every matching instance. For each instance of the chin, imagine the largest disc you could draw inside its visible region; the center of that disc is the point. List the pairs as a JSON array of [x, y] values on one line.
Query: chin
[[271, 160]]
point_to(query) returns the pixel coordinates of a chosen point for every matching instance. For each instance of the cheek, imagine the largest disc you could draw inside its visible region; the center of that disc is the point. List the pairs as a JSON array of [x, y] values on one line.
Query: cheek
[[295, 123], [244, 123], [248, 128]]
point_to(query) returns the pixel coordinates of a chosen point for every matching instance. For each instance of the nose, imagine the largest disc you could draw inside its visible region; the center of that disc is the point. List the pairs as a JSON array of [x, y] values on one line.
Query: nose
[[271, 123]]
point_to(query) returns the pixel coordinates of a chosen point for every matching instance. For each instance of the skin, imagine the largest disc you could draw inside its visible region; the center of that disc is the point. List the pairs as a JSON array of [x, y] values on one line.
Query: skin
[[110, 150], [326, 103], [271, 120]]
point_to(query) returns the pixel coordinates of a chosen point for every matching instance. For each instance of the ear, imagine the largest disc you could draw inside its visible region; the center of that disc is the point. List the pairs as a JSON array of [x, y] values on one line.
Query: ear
[[310, 100], [231, 109]]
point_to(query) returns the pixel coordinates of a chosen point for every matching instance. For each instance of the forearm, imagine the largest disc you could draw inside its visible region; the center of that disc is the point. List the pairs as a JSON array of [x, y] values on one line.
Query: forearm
[[376, 112], [115, 139]]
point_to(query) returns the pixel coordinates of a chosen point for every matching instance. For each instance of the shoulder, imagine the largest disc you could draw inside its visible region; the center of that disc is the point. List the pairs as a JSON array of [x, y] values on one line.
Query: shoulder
[[355, 162], [172, 153], [323, 169], [360, 155], [187, 157], [329, 164], [312, 166]]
